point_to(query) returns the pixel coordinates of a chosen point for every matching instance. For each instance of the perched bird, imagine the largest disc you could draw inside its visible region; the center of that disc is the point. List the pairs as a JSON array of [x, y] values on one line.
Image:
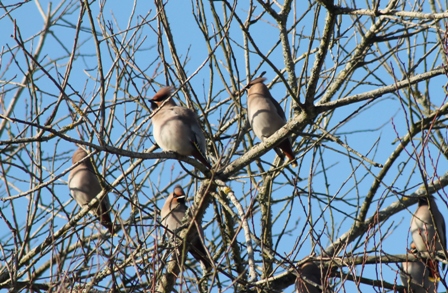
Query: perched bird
[[311, 272], [172, 213], [84, 186], [415, 276], [424, 232], [176, 128], [266, 116]]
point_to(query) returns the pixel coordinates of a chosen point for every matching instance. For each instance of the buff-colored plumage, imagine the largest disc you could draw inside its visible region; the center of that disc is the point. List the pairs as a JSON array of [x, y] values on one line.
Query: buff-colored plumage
[[266, 116], [172, 213], [415, 276], [84, 186], [423, 232], [177, 128]]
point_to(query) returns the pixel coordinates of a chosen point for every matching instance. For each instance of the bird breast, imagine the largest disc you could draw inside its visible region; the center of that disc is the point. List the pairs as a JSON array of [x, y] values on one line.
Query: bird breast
[[84, 185], [173, 130], [423, 230], [415, 277], [263, 117], [173, 219]]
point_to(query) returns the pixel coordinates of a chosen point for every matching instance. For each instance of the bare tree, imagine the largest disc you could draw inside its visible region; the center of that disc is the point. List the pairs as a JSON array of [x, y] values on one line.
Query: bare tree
[[364, 92]]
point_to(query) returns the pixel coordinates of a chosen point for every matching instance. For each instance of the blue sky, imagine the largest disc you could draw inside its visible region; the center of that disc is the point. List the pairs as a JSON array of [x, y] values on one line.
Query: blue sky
[[373, 132]]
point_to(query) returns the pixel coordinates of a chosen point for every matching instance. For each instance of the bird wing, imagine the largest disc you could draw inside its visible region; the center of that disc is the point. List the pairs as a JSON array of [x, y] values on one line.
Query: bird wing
[[443, 238], [279, 108]]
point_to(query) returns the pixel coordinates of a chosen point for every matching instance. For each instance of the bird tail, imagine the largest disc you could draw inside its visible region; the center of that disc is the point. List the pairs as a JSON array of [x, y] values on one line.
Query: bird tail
[[106, 221], [434, 275], [197, 250], [197, 153], [286, 148]]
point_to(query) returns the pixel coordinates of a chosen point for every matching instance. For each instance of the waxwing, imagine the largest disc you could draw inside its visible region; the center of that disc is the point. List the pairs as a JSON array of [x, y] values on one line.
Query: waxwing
[[424, 232], [311, 272], [177, 128], [266, 116], [84, 186], [172, 213], [415, 276]]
